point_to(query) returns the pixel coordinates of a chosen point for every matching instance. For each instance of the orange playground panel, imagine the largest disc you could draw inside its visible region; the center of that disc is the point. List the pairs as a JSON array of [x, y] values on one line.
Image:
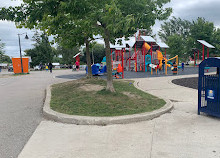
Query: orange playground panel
[[17, 65]]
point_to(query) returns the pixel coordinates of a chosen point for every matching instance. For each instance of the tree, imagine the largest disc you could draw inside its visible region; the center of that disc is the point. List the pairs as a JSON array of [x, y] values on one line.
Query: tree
[[66, 20], [175, 43], [2, 45], [82, 19], [98, 52], [175, 32], [182, 35], [67, 54], [202, 29], [215, 41], [42, 53], [3, 58], [175, 26], [115, 21], [74, 34]]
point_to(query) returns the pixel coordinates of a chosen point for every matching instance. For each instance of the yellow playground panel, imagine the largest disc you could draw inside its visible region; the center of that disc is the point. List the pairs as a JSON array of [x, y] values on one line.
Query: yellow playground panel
[[160, 57], [176, 57]]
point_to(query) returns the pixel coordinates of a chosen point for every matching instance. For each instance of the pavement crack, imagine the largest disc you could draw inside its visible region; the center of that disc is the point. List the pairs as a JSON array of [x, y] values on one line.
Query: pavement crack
[[152, 139]]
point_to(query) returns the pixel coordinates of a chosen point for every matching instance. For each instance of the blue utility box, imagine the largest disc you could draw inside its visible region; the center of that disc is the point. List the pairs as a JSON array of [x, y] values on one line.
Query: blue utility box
[[209, 88]]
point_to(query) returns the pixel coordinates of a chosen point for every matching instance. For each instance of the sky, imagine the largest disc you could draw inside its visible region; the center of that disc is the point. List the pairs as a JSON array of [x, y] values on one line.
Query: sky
[[185, 9]]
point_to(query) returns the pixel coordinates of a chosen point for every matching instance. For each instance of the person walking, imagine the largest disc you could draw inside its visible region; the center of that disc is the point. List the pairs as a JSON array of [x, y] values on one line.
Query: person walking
[[182, 66], [77, 65], [163, 65], [50, 67]]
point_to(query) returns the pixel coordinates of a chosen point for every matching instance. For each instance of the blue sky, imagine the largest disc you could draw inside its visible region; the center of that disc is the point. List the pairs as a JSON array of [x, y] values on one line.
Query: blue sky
[[186, 9]]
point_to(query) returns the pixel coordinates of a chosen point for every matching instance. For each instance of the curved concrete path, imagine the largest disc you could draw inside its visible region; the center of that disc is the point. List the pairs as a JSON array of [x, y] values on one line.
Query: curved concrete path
[[180, 133]]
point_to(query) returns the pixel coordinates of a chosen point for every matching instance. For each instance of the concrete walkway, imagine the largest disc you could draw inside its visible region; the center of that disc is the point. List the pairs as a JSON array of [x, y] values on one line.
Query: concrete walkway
[[21, 100], [180, 133]]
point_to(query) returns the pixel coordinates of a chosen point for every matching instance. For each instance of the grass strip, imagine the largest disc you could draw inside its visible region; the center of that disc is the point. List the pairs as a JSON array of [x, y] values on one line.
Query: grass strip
[[88, 97]]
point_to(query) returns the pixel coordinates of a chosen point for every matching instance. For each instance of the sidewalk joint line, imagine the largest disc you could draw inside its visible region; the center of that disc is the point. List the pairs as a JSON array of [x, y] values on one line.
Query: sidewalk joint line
[[152, 138]]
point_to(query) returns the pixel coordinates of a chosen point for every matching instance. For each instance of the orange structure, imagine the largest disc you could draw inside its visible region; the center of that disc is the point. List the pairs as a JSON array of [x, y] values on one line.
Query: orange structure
[[17, 65], [119, 69]]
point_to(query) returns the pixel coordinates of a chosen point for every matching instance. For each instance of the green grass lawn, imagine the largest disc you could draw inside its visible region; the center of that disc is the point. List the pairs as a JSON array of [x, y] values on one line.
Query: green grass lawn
[[89, 98]]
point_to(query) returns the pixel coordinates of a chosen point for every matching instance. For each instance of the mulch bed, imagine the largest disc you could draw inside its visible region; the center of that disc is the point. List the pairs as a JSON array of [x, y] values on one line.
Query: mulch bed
[[187, 82]]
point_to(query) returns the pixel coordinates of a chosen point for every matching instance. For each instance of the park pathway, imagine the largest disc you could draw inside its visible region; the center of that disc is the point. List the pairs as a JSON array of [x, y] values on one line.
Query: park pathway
[[21, 100], [180, 133]]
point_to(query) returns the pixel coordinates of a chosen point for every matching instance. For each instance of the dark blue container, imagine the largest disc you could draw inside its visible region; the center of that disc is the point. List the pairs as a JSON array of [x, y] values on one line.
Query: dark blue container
[[209, 88]]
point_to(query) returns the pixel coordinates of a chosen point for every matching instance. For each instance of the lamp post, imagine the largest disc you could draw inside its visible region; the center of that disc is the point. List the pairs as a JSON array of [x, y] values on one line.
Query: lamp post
[[19, 40]]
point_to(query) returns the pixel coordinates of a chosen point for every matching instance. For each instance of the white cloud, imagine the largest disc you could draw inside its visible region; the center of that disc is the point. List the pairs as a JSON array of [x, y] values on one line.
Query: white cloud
[[192, 9], [7, 3]]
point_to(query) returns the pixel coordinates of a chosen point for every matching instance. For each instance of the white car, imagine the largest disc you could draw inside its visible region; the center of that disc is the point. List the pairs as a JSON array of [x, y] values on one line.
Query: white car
[[37, 68], [57, 67]]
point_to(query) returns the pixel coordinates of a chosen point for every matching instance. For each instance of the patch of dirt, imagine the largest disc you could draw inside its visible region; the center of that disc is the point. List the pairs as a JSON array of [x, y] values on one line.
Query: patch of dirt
[[129, 94], [91, 87]]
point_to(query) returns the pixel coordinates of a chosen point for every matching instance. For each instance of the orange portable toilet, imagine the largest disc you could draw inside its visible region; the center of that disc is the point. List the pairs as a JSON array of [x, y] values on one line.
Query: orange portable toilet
[[17, 65]]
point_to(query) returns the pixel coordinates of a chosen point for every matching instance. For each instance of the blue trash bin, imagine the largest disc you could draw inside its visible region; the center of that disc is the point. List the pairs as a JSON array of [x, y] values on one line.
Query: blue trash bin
[[209, 88]]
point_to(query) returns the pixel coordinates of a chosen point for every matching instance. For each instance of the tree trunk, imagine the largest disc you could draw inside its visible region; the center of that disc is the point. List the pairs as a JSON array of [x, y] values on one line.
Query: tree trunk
[[110, 86], [88, 59]]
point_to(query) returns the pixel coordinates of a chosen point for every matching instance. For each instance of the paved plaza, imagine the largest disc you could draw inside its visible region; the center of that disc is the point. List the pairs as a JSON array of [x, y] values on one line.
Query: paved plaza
[[21, 104], [180, 133]]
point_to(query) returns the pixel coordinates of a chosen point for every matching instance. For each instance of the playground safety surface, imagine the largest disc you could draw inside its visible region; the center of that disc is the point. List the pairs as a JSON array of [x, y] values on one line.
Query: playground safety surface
[[187, 82], [132, 74]]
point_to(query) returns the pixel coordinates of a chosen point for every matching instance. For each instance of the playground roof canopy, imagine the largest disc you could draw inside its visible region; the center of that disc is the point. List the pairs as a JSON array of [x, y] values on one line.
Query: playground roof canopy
[[117, 45], [76, 55], [141, 39], [205, 43], [131, 42], [148, 39], [163, 45]]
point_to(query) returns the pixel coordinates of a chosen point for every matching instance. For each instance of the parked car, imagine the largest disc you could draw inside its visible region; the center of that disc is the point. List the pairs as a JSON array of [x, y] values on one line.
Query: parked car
[[63, 66], [10, 69], [37, 68], [57, 67]]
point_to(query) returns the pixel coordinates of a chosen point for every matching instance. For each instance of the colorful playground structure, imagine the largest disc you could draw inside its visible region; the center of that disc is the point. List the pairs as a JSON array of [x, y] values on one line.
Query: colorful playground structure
[[143, 54], [140, 53]]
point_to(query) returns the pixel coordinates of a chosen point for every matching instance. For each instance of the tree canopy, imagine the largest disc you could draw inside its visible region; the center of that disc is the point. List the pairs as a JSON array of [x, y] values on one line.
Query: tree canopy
[[175, 26], [3, 58], [75, 22], [42, 53], [67, 54], [182, 35], [97, 53]]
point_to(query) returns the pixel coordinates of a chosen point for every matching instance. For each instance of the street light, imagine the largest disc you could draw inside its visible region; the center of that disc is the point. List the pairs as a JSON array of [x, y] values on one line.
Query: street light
[[26, 37]]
